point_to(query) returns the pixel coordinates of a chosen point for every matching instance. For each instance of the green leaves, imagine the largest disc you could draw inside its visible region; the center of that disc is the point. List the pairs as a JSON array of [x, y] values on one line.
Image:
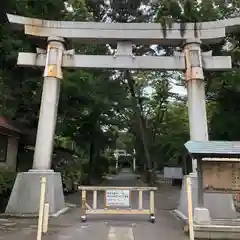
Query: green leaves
[[95, 105], [7, 179]]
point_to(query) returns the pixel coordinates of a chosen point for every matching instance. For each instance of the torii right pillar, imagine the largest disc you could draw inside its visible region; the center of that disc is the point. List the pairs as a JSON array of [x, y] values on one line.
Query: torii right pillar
[[196, 109], [221, 205], [196, 93]]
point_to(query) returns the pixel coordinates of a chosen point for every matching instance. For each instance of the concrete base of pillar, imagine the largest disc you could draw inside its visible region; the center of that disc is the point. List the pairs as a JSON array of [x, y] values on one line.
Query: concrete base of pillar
[[25, 196], [201, 216], [220, 206], [217, 232]]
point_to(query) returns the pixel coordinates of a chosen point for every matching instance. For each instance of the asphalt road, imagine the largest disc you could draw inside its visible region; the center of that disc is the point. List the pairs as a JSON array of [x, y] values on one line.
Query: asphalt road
[[124, 227]]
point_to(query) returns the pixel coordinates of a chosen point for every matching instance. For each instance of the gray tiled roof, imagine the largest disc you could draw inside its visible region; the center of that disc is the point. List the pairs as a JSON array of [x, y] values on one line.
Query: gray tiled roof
[[213, 148]]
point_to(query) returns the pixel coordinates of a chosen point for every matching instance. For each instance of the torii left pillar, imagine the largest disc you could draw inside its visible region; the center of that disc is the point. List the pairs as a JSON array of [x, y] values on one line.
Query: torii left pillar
[[25, 195]]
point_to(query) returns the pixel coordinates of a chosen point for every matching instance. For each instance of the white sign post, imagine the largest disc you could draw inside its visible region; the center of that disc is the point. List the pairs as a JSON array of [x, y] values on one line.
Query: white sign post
[[173, 173], [117, 198]]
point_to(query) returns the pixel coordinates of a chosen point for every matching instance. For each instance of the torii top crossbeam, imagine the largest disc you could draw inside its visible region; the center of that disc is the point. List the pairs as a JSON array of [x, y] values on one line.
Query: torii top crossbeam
[[138, 33]]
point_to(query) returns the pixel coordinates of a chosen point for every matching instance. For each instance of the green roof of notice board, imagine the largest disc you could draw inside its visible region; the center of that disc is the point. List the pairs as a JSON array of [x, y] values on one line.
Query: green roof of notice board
[[213, 148]]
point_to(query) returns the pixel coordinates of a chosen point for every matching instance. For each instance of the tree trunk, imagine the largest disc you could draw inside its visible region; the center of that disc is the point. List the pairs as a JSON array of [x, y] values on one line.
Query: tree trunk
[[141, 126], [91, 158]]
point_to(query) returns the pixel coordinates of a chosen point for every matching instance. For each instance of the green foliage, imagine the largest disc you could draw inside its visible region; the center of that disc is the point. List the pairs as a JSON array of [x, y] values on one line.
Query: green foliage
[[103, 168], [95, 105], [7, 179], [125, 141], [71, 168], [226, 114], [25, 158], [113, 170], [184, 11], [72, 176]]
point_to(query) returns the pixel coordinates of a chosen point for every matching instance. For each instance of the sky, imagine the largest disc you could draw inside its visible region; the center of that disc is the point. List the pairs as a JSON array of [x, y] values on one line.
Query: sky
[[179, 89], [182, 91]]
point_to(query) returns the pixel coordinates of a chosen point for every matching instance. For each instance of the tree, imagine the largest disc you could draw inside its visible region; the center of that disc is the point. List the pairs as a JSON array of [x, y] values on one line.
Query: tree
[[90, 115], [85, 105]]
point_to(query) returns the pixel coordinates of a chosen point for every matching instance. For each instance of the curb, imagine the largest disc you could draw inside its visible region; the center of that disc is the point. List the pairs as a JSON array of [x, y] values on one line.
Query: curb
[[179, 215], [54, 215]]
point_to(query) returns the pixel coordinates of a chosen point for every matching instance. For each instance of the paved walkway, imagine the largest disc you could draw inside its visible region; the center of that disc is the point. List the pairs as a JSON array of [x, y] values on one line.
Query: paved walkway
[[69, 226]]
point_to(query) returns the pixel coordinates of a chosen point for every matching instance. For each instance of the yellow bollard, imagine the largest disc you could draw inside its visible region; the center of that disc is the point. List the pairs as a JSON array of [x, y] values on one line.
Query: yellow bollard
[[41, 208], [140, 200], [84, 196], [190, 211], [152, 207], [45, 218]]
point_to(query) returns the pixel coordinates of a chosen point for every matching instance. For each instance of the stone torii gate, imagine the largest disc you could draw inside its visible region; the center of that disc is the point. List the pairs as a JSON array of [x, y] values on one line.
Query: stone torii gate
[[191, 60], [122, 153]]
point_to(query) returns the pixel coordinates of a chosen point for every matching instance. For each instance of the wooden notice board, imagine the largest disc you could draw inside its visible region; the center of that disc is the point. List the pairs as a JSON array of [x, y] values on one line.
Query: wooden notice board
[[221, 176]]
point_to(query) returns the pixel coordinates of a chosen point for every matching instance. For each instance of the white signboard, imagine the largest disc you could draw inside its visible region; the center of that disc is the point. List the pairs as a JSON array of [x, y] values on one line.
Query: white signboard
[[118, 198], [173, 173]]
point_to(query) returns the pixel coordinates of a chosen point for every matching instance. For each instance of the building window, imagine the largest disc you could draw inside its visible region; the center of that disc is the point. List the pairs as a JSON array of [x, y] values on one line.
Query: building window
[[3, 147]]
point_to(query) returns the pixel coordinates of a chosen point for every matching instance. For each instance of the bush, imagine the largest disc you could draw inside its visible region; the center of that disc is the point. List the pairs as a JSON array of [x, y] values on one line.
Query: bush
[[72, 177], [7, 179], [113, 170], [70, 167]]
